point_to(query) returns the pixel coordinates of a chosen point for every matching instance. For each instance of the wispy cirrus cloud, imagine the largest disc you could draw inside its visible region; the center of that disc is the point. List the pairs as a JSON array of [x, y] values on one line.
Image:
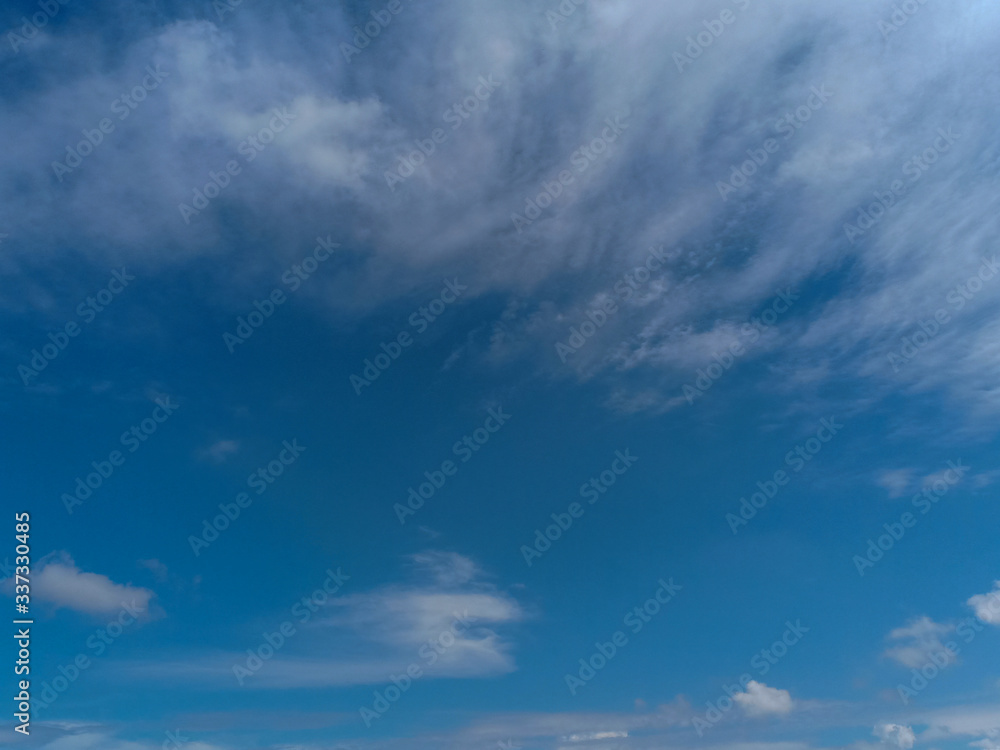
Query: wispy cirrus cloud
[[353, 122], [895, 481], [918, 641], [219, 451], [447, 621]]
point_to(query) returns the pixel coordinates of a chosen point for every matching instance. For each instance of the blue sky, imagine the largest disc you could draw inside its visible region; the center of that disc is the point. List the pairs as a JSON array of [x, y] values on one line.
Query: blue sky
[[605, 375]]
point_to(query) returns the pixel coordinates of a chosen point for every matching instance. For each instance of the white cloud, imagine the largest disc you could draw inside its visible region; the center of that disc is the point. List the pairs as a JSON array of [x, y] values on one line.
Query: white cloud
[[449, 622], [404, 620], [57, 581], [563, 726], [969, 721], [589, 736], [895, 481], [157, 568], [87, 740], [987, 606], [355, 121], [761, 700], [91, 738], [446, 568], [895, 735], [945, 477], [920, 641], [985, 479], [220, 450], [328, 138]]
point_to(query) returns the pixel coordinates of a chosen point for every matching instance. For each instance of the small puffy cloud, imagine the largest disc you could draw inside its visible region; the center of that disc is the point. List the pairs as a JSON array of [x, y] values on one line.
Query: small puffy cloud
[[761, 700], [57, 581], [987, 606], [895, 481], [895, 735], [918, 642]]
